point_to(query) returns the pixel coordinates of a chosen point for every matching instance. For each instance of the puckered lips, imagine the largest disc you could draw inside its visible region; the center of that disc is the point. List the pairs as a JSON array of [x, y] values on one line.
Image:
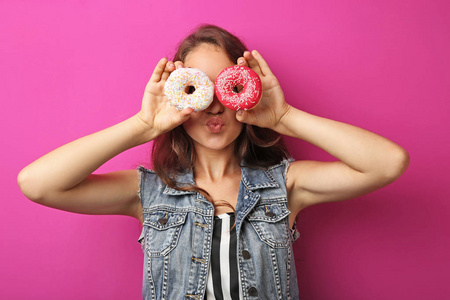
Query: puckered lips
[[215, 124]]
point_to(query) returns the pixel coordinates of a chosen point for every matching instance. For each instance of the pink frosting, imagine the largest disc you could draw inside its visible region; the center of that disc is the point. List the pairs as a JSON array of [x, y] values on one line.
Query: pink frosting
[[232, 77]]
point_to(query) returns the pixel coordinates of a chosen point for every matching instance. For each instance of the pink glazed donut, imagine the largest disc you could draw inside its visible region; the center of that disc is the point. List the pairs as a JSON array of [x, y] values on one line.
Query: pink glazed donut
[[232, 77]]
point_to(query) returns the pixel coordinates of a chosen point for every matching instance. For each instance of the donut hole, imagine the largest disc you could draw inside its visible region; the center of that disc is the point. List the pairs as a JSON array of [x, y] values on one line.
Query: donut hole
[[189, 89], [237, 89]]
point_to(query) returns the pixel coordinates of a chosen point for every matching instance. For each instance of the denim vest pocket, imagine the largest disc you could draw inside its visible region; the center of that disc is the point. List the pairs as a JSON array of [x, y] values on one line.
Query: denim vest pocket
[[162, 230], [265, 219]]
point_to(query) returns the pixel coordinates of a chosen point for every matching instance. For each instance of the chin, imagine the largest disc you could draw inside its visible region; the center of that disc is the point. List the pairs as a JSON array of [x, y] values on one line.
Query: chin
[[215, 143], [218, 146]]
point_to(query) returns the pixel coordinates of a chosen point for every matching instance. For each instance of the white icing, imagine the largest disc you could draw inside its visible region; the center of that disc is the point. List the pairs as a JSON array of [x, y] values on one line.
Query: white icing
[[176, 84]]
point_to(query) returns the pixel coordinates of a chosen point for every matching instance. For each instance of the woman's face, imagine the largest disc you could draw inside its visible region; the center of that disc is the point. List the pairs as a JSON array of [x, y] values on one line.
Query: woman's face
[[215, 127]]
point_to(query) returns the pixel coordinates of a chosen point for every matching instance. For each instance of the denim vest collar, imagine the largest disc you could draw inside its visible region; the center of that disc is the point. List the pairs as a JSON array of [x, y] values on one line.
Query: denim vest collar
[[252, 179], [186, 179]]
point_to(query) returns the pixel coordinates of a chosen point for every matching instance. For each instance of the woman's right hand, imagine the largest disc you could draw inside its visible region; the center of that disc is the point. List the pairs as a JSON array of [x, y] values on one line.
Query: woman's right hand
[[157, 115]]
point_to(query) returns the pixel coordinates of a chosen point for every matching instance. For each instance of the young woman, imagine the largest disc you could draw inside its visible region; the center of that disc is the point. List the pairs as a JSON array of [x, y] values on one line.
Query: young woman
[[219, 206]]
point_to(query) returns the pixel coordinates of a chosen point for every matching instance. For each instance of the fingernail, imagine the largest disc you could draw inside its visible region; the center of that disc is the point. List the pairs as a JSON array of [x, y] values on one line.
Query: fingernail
[[241, 61], [171, 65], [239, 112], [179, 67]]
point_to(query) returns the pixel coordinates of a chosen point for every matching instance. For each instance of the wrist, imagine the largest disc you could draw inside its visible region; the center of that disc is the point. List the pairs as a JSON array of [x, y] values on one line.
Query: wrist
[[142, 131], [284, 121]]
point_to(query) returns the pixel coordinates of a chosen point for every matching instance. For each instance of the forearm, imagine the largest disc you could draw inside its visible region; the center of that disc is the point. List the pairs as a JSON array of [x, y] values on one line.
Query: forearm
[[360, 149], [69, 165]]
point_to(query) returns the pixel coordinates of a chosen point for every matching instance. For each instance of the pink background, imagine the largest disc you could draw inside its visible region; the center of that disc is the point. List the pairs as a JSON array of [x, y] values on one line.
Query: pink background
[[70, 68]]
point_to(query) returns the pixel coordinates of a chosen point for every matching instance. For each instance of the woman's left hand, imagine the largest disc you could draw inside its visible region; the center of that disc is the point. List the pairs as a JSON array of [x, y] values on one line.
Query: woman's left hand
[[272, 107]]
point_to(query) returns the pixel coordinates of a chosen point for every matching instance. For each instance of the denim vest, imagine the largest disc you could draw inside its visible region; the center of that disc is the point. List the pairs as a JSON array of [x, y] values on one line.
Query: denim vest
[[177, 235]]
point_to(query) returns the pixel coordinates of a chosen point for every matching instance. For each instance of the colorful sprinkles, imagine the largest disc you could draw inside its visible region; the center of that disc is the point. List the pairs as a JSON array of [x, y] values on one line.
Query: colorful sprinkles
[[232, 77], [180, 79]]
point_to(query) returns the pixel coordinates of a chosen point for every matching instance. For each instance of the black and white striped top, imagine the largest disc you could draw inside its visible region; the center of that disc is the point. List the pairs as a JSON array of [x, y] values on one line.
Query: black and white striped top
[[223, 276]]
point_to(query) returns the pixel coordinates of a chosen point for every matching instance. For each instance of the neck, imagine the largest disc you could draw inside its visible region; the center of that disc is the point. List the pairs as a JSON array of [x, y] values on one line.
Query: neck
[[213, 165]]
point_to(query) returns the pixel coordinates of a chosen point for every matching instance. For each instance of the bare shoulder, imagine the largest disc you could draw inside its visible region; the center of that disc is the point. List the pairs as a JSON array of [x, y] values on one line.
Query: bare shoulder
[[300, 171], [294, 176]]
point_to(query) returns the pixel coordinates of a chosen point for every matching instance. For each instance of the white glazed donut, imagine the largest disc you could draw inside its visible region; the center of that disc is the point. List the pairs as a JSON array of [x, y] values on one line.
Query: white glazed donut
[[180, 79]]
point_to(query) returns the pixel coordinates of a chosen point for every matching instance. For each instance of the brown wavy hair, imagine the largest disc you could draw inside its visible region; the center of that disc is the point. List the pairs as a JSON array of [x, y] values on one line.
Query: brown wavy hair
[[173, 153]]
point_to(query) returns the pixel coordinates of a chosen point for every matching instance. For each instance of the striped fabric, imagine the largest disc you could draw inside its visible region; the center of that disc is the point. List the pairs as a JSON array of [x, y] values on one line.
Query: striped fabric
[[223, 277]]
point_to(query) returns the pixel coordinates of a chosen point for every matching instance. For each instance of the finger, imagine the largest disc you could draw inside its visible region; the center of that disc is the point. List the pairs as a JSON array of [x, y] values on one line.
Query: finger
[[247, 117], [167, 70], [159, 69], [253, 63], [179, 64], [183, 115], [262, 63], [242, 62], [187, 111]]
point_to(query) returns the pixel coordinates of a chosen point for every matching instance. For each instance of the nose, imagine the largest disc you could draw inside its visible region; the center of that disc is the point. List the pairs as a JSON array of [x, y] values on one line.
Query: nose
[[215, 108]]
